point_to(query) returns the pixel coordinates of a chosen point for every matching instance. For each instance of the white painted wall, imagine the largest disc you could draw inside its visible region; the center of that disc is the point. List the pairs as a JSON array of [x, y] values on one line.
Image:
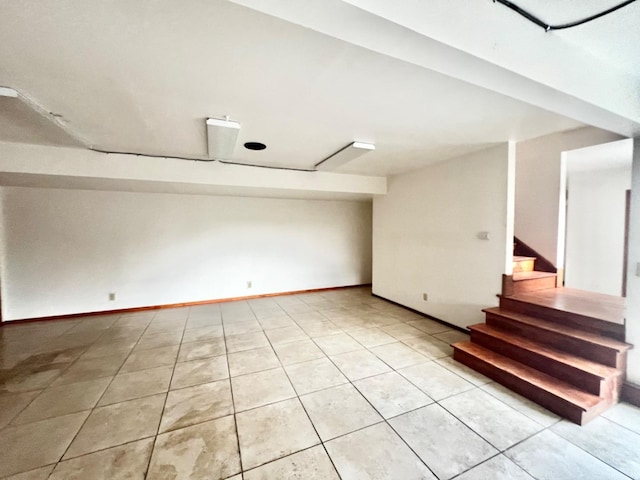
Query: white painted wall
[[425, 236], [65, 250], [539, 185], [633, 280], [594, 255]]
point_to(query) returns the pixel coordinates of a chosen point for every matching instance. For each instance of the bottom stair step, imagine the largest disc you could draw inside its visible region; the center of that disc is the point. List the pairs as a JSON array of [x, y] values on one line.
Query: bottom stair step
[[558, 396]]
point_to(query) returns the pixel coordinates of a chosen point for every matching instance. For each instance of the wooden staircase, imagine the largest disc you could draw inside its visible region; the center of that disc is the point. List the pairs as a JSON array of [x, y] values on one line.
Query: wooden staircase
[[562, 348]]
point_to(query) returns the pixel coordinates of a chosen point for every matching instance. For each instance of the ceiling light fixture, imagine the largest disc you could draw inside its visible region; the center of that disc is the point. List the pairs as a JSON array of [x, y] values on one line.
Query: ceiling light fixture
[[8, 92], [345, 155], [221, 137]]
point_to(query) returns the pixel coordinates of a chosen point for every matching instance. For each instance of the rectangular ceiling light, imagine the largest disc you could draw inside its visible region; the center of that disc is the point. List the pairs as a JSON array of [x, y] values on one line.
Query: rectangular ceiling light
[[8, 92], [221, 137], [344, 155]]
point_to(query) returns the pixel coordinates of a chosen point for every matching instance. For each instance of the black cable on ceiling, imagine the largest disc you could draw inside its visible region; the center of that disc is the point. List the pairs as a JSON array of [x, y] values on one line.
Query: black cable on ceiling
[[532, 18], [192, 159]]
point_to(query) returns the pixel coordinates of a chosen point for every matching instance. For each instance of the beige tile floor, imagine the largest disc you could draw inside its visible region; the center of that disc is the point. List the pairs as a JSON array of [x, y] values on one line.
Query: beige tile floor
[[328, 385]]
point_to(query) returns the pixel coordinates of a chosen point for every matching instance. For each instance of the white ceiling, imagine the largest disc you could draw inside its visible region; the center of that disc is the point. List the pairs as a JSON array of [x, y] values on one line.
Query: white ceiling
[[614, 38], [142, 77]]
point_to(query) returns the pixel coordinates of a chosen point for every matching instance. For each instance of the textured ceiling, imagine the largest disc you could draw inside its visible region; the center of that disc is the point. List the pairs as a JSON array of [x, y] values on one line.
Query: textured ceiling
[[143, 76]]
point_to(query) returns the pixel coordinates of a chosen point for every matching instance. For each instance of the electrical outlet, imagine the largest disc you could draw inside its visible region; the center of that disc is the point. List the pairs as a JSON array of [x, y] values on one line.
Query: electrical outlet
[[249, 283], [112, 297], [425, 297]]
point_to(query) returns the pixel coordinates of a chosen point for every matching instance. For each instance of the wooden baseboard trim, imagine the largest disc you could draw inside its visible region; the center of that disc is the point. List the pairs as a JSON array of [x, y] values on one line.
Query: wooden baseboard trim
[[631, 393], [446, 324], [175, 305]]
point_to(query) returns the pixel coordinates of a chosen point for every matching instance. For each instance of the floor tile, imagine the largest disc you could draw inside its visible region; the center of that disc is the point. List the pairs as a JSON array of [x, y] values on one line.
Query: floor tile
[[123, 333], [286, 335], [251, 361], [402, 331], [398, 355], [280, 321], [257, 389], [116, 424], [51, 436], [247, 341], [110, 348], [623, 414], [154, 357], [62, 400], [435, 380], [452, 336], [37, 474], [273, 431], [203, 333], [11, 404], [444, 443], [359, 364], [268, 314], [239, 328], [203, 327], [496, 422], [613, 444], [496, 468], [320, 329], [200, 452], [310, 464], [391, 394], [463, 371], [128, 461], [24, 379], [192, 405], [429, 326], [156, 340], [207, 370], [371, 337], [336, 344], [429, 346], [206, 348], [296, 352], [90, 369], [339, 410], [314, 375], [525, 406], [308, 317], [378, 453], [127, 386], [546, 456]]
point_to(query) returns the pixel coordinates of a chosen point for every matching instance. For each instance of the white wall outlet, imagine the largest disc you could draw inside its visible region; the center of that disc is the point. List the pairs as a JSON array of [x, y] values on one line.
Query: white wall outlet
[[638, 269], [249, 283], [112, 297], [425, 297]]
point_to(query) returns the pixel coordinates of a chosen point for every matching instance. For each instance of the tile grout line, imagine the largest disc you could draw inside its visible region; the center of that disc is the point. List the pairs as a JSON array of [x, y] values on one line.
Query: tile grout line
[[297, 397], [474, 386], [60, 460], [155, 438], [49, 385], [233, 401], [375, 410]]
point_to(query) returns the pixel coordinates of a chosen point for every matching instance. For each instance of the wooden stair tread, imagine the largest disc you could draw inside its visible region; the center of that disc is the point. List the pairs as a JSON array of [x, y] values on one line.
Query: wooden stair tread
[[606, 308], [561, 329], [541, 380], [520, 258], [579, 363], [520, 276]]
